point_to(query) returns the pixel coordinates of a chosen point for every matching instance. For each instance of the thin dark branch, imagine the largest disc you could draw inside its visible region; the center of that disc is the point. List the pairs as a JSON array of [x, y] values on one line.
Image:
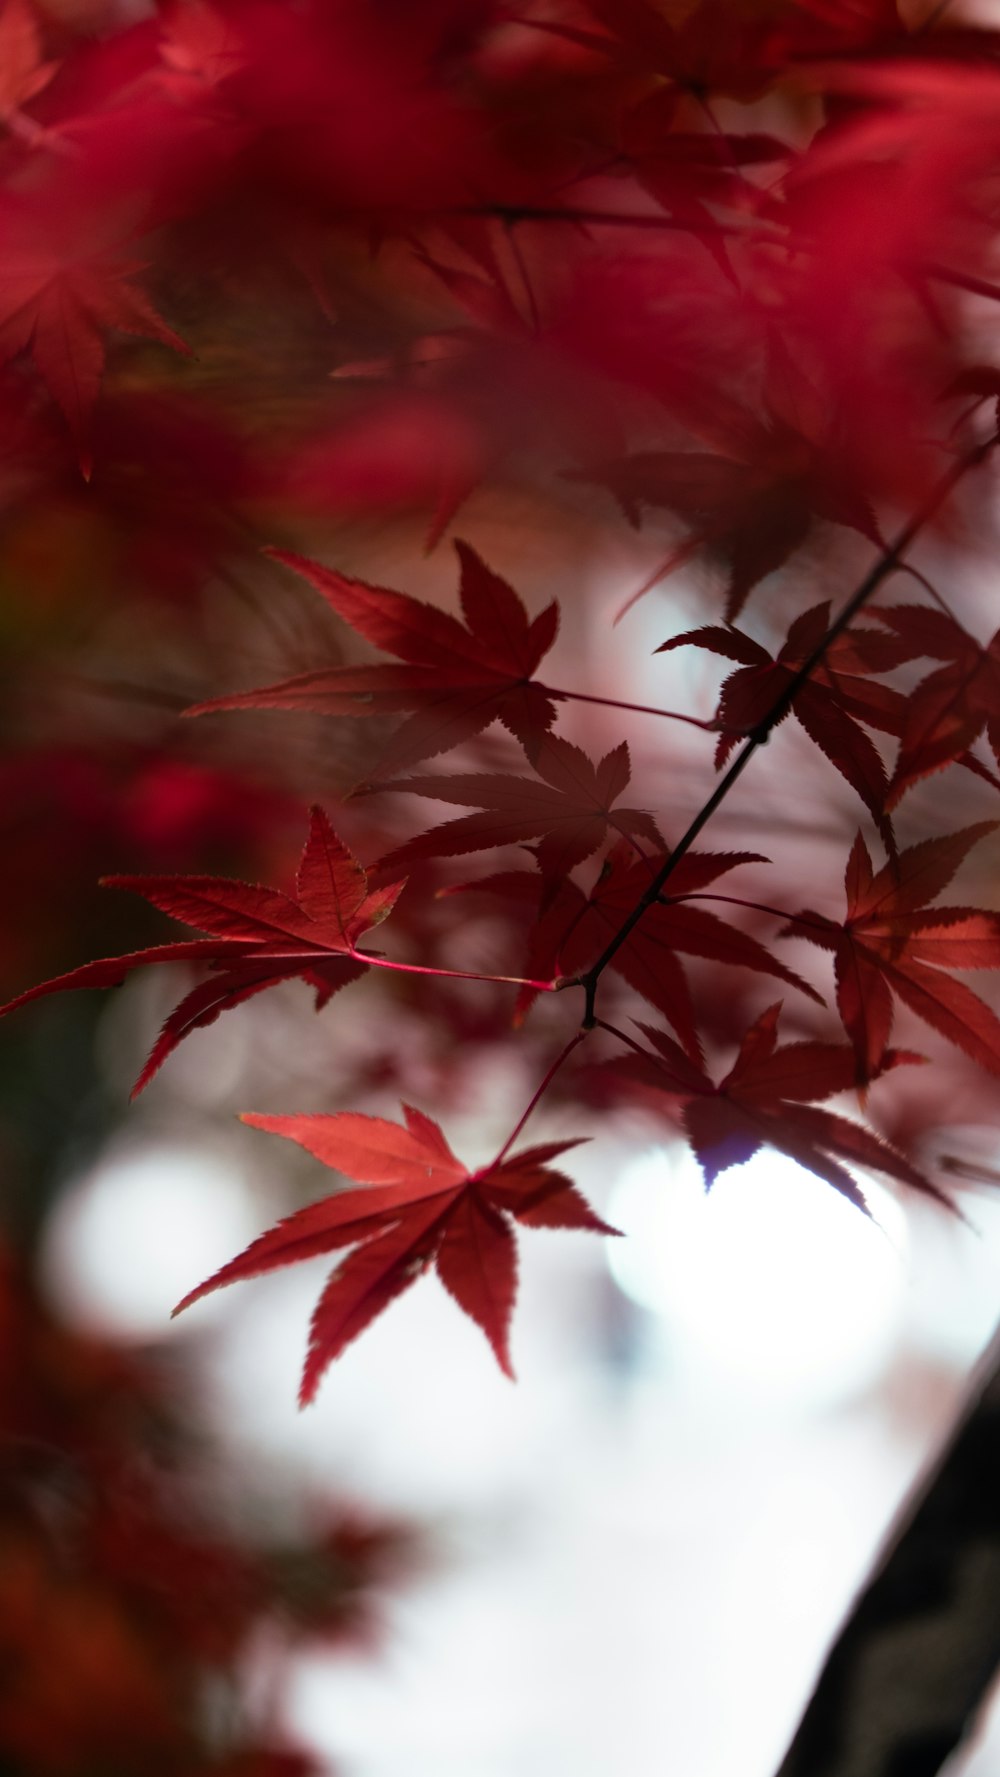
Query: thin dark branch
[[885, 565], [797, 919], [539, 1093], [643, 709]]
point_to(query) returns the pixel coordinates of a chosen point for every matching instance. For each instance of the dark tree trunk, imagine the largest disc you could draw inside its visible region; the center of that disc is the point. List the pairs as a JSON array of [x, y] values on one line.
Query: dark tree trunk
[[903, 1682]]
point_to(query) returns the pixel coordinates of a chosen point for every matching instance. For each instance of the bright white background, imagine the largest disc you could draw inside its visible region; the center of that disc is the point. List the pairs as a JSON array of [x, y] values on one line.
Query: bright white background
[[646, 1545]]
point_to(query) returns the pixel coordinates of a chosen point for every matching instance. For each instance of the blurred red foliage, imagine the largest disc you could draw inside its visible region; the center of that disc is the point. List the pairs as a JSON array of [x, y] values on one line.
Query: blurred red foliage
[[315, 279], [129, 1601]]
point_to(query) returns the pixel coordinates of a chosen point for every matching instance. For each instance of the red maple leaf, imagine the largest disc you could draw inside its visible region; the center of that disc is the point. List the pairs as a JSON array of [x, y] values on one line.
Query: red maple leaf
[[828, 704], [61, 291], [753, 506], [571, 929], [568, 808], [766, 1100], [457, 678], [949, 709], [423, 1208], [258, 936], [893, 945], [686, 170], [648, 958]]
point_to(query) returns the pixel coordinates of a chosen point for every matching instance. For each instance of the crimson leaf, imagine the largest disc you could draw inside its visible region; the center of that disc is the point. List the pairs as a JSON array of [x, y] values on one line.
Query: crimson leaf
[[258, 936], [764, 1100], [568, 808], [422, 1208], [457, 677], [892, 945]]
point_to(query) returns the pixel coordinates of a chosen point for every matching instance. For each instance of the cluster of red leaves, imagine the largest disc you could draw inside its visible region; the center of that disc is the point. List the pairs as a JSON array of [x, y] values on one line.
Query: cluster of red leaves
[[125, 1594], [243, 139], [713, 259]]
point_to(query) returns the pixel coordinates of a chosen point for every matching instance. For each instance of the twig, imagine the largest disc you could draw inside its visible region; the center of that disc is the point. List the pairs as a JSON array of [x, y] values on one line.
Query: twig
[[641, 709], [885, 565], [539, 1094]]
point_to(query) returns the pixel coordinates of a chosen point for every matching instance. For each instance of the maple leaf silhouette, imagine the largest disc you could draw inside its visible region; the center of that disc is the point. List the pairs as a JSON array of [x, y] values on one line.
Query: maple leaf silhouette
[[949, 709], [766, 1100], [458, 677], [60, 294], [259, 936], [568, 808], [753, 506], [422, 1208], [647, 959], [828, 704], [686, 170], [572, 928], [893, 945]]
